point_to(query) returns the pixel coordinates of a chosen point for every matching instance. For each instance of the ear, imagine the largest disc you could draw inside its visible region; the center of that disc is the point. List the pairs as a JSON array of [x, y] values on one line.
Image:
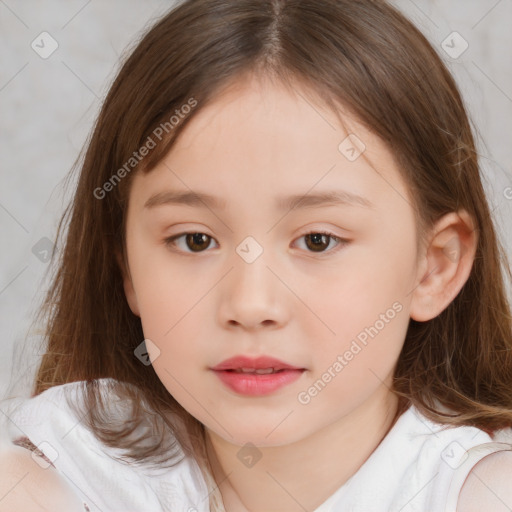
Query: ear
[[127, 284], [446, 265]]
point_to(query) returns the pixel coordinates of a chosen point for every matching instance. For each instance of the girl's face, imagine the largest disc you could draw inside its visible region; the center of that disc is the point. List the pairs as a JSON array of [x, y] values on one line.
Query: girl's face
[[252, 283]]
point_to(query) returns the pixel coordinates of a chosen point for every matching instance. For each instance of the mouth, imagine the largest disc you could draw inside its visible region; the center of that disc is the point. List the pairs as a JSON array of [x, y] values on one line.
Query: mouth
[[256, 376]]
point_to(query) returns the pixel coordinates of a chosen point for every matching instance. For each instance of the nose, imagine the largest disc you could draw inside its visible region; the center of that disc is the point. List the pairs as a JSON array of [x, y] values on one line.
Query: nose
[[253, 297]]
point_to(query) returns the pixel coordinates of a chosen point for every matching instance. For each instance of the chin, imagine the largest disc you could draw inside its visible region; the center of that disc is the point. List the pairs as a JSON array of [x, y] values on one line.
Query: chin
[[262, 434]]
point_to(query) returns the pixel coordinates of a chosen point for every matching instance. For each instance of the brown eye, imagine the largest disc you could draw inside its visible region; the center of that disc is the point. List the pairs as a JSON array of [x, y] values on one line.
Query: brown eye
[[197, 241], [317, 242], [194, 242]]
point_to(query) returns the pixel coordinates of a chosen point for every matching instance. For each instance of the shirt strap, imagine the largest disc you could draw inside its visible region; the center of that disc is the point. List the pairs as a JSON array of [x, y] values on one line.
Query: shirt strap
[[467, 462]]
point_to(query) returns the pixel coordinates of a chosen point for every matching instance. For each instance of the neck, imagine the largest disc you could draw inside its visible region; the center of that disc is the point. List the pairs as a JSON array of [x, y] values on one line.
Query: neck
[[302, 475]]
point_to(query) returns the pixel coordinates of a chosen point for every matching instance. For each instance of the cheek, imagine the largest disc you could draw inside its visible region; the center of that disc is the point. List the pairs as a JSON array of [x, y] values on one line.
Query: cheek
[[166, 291], [366, 332], [176, 325], [365, 304], [353, 368], [353, 297], [173, 306]]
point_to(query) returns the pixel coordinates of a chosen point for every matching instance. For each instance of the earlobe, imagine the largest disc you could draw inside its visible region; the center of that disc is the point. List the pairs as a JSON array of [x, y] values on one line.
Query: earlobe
[[446, 265], [129, 291]]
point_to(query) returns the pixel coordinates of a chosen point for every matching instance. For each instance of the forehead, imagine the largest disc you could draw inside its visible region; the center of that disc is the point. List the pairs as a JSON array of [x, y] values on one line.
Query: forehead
[[265, 139]]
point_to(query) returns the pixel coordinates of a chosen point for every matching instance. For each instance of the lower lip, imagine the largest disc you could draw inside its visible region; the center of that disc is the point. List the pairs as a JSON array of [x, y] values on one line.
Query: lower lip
[[253, 384]]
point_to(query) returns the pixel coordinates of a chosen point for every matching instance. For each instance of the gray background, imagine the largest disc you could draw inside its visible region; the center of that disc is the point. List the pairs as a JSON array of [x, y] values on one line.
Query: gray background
[[48, 106]]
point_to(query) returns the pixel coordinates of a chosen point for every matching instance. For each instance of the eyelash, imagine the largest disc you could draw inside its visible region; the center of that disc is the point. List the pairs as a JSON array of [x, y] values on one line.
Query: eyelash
[[170, 241]]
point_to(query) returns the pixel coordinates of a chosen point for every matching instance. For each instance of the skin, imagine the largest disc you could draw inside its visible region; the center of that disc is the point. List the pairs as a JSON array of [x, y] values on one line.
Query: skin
[[28, 483], [256, 141]]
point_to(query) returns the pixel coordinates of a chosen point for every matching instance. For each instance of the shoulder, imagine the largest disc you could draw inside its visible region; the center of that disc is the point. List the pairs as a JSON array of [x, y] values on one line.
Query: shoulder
[[487, 487], [28, 483]]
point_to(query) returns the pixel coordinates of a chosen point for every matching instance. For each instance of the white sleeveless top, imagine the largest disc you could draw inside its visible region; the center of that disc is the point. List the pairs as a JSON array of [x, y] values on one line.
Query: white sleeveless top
[[420, 466]]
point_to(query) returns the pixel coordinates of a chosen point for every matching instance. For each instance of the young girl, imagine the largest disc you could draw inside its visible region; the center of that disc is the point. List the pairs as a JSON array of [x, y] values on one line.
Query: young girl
[[341, 341]]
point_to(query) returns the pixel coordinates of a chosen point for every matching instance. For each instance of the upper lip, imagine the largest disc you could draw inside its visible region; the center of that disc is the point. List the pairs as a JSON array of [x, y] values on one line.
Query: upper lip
[[234, 363]]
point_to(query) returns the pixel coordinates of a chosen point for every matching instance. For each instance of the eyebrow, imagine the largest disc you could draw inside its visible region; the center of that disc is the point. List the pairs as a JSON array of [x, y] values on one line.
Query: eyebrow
[[297, 201]]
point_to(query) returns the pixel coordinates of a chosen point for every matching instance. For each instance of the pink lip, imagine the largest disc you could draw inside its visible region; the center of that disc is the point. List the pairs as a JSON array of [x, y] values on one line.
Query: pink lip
[[254, 384]]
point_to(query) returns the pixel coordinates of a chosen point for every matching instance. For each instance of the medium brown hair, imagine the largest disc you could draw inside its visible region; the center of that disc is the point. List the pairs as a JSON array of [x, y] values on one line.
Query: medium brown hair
[[363, 55]]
